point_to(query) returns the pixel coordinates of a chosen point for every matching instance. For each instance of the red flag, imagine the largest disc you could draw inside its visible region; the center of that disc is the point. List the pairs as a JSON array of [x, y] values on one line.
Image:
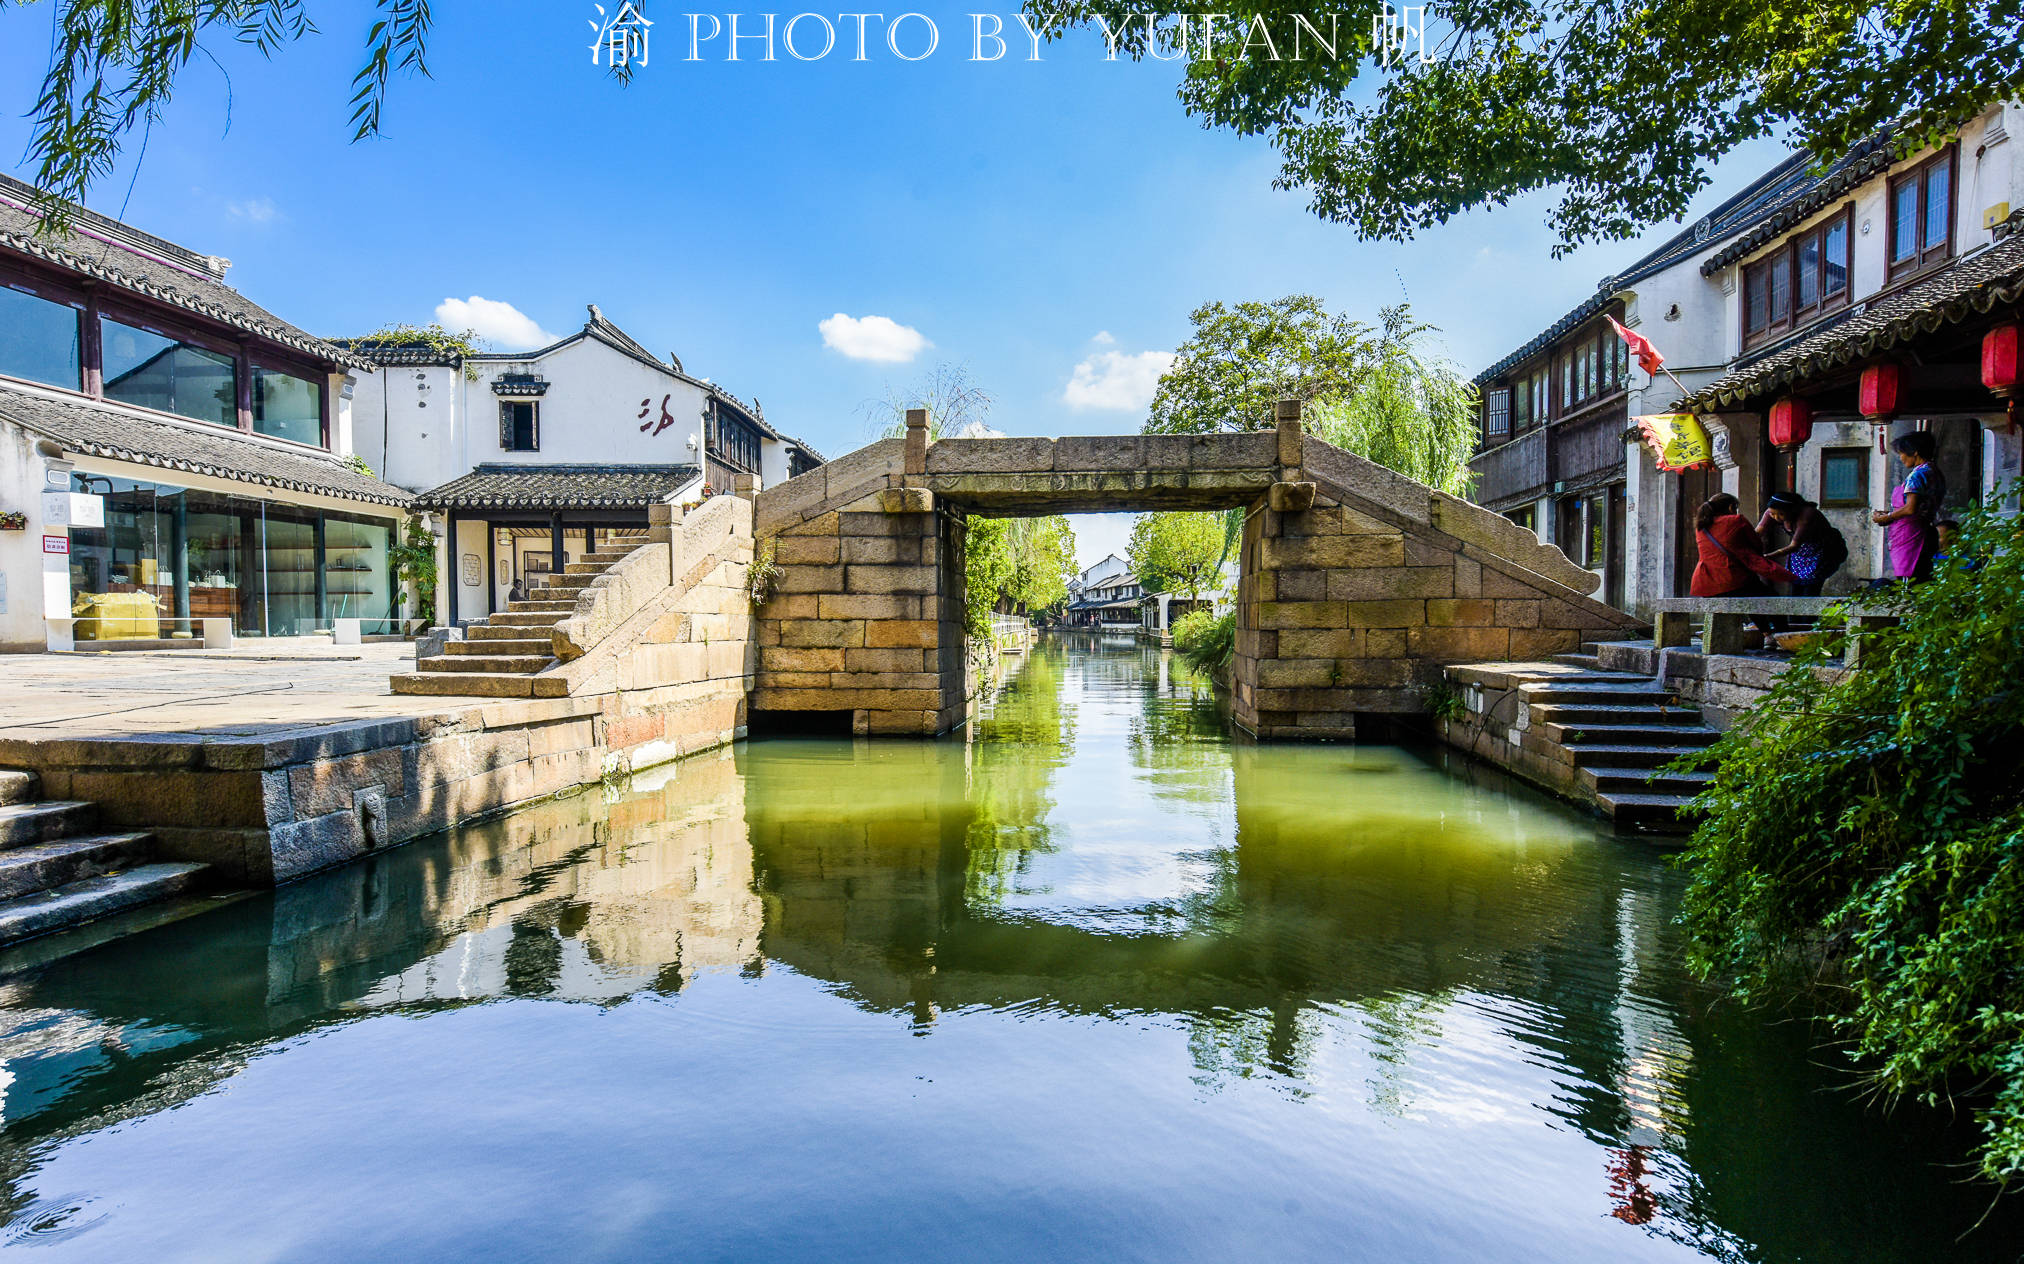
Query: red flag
[[1648, 356]]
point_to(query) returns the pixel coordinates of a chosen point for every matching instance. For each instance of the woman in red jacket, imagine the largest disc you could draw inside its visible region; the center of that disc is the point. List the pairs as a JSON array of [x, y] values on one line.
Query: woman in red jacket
[[1732, 561]]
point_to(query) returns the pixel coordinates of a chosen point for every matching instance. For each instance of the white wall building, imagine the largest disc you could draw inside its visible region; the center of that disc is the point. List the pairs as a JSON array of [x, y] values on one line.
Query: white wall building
[[530, 456]]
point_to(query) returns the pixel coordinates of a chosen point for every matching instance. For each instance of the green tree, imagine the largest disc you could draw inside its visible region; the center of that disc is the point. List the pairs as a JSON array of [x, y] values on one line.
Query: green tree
[[1414, 412], [1379, 393], [1620, 107], [1176, 552], [1864, 833], [1243, 358]]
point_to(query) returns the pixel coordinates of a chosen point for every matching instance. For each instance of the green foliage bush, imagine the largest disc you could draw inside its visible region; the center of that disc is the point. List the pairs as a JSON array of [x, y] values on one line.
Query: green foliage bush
[[1864, 836], [1206, 640]]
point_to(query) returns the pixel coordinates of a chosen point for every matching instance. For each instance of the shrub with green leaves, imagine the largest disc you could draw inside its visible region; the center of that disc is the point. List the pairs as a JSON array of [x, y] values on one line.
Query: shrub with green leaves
[[1206, 640], [1864, 837]]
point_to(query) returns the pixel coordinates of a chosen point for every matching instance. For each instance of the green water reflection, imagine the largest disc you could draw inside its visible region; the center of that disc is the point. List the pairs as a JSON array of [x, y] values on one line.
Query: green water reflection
[[1097, 983]]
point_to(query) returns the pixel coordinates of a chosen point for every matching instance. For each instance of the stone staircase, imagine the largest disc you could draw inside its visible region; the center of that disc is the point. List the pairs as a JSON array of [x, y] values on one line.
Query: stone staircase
[[498, 657], [1621, 731], [56, 872]]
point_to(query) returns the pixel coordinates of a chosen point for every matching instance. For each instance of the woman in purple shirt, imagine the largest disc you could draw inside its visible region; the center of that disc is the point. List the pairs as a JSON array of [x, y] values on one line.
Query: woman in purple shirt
[[1914, 508]]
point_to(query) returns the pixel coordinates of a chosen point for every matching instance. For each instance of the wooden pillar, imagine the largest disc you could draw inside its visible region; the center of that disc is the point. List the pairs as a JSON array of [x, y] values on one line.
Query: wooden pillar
[[589, 538], [559, 556], [92, 348], [448, 578], [491, 567]]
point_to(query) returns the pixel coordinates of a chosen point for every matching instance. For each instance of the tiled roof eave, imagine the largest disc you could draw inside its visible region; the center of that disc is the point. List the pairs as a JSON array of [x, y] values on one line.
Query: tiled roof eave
[[118, 452], [1829, 189], [34, 248]]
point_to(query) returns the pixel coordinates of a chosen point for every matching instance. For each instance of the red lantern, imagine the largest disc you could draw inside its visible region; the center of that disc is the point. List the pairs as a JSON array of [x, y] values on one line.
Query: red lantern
[[1791, 423], [1999, 360], [1879, 393]]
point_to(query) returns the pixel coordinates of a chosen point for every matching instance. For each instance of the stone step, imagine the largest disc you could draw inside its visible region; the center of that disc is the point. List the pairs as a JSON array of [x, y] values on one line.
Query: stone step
[[528, 619], [1599, 693], [607, 557], [17, 786], [1590, 661], [500, 632], [1681, 736], [89, 898], [1603, 755], [537, 605], [1598, 713], [1616, 780], [517, 643], [465, 684], [467, 663], [26, 870], [22, 824], [573, 581], [1667, 812]]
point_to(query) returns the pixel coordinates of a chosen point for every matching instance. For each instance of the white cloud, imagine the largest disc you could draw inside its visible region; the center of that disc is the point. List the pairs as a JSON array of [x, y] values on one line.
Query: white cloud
[[499, 323], [877, 338], [254, 210], [1104, 339], [1116, 381]]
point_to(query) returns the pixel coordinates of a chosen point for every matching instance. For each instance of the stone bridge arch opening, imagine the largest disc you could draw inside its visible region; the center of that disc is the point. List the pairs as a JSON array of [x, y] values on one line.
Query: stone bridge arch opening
[[1355, 584]]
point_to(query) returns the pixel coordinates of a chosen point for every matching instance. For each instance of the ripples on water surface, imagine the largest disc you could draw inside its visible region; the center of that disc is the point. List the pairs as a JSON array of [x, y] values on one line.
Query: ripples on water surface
[[1098, 985]]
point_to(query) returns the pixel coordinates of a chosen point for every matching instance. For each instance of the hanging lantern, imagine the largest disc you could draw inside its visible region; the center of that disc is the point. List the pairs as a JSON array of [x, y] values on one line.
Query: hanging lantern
[[1999, 368], [1999, 360], [1791, 423], [1879, 393]]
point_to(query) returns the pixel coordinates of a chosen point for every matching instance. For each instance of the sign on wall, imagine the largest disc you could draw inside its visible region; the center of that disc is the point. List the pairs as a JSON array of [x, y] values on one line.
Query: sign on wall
[[56, 544], [72, 509], [473, 570]]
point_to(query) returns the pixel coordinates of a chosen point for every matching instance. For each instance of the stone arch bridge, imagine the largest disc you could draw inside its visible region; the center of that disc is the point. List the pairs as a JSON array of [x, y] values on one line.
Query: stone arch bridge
[[1355, 583]]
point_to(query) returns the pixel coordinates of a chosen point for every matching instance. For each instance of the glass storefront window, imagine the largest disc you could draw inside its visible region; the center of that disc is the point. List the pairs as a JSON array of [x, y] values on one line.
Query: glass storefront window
[[153, 371], [287, 406], [39, 340], [169, 558]]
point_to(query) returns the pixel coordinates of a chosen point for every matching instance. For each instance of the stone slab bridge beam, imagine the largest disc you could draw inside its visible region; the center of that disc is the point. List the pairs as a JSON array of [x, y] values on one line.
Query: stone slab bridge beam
[[1356, 584]]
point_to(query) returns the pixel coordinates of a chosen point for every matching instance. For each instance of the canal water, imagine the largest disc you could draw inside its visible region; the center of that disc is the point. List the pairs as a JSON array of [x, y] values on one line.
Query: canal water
[[1099, 983]]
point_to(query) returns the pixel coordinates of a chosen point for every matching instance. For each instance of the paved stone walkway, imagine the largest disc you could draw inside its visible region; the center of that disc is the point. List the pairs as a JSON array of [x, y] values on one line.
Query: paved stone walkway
[[261, 687]]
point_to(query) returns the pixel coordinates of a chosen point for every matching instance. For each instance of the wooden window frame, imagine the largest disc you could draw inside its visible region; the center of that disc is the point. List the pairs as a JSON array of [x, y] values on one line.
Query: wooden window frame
[[1923, 258], [39, 286], [1492, 413], [1861, 498], [506, 436], [1779, 322]]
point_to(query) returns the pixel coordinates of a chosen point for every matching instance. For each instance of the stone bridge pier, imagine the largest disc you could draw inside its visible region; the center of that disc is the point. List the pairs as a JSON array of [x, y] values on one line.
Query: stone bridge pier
[[1355, 584]]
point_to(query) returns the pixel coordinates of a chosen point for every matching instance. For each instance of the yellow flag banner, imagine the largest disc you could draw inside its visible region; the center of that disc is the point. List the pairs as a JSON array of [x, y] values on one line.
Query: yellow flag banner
[[1678, 440]]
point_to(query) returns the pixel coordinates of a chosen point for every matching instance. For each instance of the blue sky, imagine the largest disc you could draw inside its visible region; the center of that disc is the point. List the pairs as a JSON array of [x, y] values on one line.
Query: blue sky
[[1020, 218]]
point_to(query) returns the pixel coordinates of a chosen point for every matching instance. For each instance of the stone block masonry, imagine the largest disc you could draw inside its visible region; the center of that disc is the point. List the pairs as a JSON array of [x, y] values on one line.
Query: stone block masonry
[[1355, 586]]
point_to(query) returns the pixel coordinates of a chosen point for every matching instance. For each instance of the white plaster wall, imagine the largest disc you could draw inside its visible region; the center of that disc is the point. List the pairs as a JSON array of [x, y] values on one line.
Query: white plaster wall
[[21, 483], [590, 415], [410, 436]]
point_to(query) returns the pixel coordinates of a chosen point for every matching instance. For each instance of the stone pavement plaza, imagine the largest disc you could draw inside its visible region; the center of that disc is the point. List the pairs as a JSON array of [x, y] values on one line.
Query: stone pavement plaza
[[256, 688]]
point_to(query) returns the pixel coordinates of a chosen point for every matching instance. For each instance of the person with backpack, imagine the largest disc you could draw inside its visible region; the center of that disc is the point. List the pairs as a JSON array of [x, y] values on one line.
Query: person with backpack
[[1732, 561], [1813, 551]]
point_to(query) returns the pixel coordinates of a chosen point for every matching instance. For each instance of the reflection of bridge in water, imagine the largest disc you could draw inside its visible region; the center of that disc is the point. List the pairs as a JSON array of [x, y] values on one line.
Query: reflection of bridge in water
[[917, 879]]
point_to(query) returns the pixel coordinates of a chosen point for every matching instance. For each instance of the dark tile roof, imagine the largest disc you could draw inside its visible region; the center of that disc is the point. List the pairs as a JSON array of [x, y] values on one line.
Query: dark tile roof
[[119, 433], [558, 487], [1766, 206], [1976, 284], [131, 260]]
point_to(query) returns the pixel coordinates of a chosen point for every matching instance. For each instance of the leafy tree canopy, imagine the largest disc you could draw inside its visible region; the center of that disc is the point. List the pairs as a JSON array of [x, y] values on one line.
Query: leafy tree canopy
[[1619, 105], [1378, 392], [1176, 552], [1865, 832], [1243, 358], [1414, 411]]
